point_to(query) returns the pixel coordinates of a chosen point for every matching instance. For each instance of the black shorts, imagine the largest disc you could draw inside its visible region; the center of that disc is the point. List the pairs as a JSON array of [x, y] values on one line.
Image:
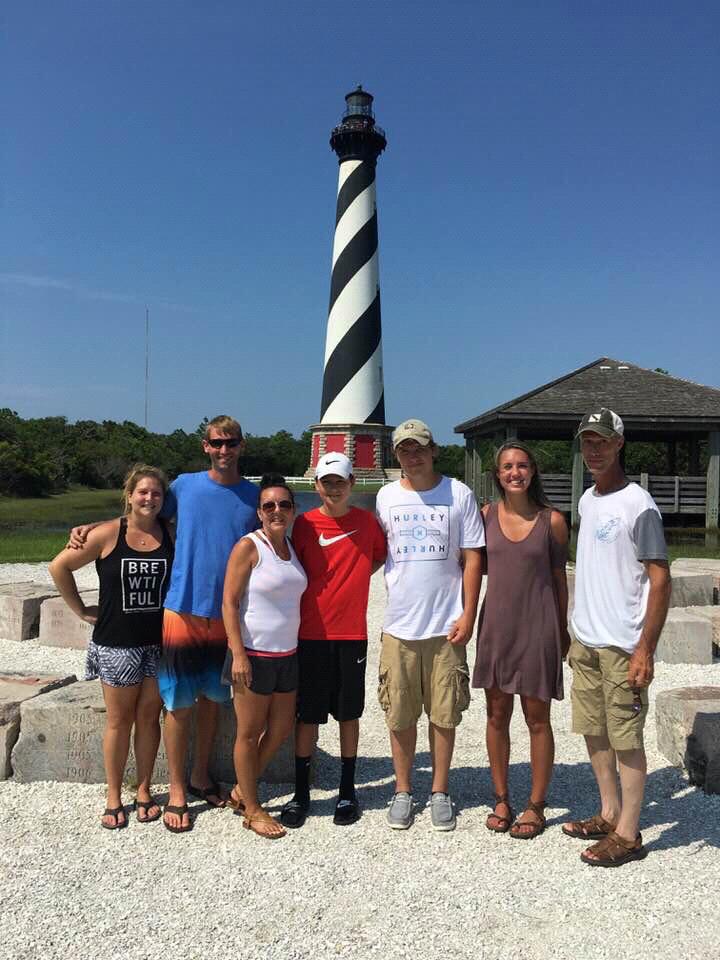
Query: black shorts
[[332, 680], [269, 674]]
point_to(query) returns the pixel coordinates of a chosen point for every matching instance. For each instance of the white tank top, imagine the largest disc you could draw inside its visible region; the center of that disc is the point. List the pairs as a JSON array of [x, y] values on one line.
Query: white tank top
[[270, 606]]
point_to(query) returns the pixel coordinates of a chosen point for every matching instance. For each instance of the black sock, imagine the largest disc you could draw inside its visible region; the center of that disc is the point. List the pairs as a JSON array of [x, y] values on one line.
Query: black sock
[[347, 778], [302, 779]]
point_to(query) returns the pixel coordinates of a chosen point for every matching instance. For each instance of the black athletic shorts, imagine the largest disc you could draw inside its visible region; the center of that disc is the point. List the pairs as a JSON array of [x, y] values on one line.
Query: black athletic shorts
[[332, 680], [269, 674]]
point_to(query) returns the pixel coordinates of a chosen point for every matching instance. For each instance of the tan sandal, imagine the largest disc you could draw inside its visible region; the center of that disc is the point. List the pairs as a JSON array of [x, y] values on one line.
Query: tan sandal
[[502, 824], [236, 801], [253, 822], [529, 829], [591, 829]]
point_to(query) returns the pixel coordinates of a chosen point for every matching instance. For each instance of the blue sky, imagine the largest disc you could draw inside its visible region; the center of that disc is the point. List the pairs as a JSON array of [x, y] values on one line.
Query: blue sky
[[549, 195]]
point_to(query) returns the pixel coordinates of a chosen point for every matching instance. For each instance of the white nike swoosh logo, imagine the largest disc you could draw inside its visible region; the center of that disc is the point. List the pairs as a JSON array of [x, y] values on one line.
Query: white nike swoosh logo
[[362, 659], [326, 541]]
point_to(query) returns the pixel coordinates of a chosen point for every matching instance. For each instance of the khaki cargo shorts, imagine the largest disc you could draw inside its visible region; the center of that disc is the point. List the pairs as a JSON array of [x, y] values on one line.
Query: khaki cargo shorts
[[431, 673], [602, 700]]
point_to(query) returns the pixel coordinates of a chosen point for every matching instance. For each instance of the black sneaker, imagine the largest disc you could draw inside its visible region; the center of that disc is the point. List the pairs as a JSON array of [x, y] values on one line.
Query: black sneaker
[[346, 812], [294, 814]]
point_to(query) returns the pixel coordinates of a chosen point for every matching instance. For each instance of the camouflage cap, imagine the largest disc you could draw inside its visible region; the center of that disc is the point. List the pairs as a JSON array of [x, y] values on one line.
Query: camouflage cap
[[604, 422]]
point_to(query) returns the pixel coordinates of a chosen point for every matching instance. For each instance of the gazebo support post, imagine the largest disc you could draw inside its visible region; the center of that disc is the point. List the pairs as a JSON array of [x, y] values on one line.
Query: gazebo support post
[[712, 502], [578, 470]]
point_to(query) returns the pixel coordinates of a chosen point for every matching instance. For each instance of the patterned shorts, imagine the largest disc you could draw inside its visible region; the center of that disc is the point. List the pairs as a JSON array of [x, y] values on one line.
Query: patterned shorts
[[121, 666]]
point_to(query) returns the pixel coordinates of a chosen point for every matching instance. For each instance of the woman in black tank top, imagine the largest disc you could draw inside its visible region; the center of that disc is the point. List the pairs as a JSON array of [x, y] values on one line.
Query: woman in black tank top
[[133, 556]]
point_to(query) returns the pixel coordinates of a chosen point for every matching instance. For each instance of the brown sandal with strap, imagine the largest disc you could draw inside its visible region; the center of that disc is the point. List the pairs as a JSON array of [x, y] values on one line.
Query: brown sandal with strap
[[594, 828], [503, 823], [252, 822], [529, 829], [614, 850]]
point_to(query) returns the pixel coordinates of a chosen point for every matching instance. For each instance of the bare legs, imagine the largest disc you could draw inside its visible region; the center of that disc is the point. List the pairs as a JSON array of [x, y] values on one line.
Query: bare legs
[[139, 704], [542, 748], [306, 737], [403, 744], [632, 768], [263, 723]]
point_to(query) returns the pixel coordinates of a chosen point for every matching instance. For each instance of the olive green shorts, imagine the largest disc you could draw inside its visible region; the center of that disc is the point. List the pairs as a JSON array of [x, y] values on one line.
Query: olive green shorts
[[602, 699], [416, 674]]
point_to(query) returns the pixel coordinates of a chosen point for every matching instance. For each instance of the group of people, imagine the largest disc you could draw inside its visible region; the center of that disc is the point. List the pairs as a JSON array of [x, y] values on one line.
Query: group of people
[[237, 607]]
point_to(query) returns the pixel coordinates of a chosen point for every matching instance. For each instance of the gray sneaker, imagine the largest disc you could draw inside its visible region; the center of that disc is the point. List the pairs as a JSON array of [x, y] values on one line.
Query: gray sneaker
[[441, 811], [400, 811]]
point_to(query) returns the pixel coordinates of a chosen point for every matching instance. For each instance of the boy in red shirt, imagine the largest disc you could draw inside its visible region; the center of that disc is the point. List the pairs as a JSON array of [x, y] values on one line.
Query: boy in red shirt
[[340, 547]]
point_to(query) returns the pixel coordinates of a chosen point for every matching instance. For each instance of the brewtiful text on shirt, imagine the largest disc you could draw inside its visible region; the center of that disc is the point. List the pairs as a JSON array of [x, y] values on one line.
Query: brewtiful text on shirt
[[618, 531], [337, 554], [211, 518], [426, 532]]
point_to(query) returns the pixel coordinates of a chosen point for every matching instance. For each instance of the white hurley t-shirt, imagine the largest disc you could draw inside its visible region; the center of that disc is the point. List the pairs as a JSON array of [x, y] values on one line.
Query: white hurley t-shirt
[[618, 531], [426, 531]]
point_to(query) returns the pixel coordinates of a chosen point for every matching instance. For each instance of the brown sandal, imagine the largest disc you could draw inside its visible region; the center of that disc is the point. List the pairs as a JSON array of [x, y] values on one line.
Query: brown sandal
[[236, 802], [529, 829], [263, 817], [591, 829], [502, 823], [613, 851]]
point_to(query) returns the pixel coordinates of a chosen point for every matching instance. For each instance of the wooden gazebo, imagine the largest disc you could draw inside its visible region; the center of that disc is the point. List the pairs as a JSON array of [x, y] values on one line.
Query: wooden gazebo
[[654, 406]]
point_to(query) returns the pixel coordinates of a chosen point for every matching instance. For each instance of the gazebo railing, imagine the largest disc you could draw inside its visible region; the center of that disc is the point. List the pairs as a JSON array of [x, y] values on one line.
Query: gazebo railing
[[672, 494]]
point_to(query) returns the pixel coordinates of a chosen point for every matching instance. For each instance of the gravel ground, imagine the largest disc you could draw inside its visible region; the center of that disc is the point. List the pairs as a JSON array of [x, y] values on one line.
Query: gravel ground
[[68, 888]]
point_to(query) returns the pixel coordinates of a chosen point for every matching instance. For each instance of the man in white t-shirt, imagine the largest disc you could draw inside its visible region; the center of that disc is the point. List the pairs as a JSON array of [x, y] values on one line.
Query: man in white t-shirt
[[622, 594], [432, 573]]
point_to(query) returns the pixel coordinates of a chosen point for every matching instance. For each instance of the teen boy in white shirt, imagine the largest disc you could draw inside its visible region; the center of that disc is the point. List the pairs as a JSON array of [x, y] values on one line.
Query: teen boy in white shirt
[[433, 573]]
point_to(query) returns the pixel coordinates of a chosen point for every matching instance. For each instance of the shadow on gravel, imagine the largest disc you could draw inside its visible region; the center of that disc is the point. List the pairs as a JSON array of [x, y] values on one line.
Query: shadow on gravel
[[690, 814]]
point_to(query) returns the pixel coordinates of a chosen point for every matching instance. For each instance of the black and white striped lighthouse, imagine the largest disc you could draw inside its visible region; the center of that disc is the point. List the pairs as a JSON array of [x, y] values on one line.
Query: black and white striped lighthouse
[[352, 413]]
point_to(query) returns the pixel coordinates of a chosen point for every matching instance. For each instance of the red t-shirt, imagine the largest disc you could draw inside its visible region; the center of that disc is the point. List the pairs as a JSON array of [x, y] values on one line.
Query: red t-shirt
[[337, 554]]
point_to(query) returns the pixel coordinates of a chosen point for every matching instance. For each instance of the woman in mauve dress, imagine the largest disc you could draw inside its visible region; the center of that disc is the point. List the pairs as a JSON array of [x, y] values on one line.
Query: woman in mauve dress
[[522, 633]]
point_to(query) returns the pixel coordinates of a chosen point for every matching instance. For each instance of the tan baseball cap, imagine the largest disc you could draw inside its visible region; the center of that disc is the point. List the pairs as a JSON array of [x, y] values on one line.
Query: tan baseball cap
[[412, 430]]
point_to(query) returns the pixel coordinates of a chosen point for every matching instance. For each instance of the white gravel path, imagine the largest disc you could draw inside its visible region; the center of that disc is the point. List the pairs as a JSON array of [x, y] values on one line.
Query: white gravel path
[[70, 889]]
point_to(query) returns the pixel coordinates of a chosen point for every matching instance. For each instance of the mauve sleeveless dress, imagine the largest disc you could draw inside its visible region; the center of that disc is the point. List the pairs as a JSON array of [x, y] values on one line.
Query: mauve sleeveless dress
[[518, 643]]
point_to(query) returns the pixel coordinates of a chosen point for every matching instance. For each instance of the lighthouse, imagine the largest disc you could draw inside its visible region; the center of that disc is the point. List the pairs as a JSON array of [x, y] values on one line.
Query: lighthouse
[[352, 409]]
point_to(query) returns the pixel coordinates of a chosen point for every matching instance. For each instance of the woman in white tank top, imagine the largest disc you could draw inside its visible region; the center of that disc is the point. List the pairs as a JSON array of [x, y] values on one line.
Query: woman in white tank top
[[261, 611]]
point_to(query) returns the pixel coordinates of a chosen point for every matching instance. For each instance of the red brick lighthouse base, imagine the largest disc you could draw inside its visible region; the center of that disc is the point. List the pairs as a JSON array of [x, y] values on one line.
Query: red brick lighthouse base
[[367, 445]]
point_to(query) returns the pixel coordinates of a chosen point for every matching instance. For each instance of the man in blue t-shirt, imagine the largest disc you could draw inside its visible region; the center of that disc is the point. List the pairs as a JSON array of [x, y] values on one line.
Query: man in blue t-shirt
[[213, 510]]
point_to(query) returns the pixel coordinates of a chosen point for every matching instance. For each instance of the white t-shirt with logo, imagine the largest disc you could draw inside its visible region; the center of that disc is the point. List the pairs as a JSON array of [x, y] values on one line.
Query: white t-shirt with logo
[[426, 531], [618, 531]]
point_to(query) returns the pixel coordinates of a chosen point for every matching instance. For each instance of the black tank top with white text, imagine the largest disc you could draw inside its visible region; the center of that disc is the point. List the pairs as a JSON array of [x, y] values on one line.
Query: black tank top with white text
[[133, 585]]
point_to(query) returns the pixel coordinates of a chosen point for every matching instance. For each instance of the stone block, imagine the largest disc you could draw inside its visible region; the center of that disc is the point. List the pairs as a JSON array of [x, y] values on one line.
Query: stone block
[[713, 615], [707, 565], [60, 627], [687, 720], [20, 609], [692, 589], [15, 688], [61, 739], [686, 638]]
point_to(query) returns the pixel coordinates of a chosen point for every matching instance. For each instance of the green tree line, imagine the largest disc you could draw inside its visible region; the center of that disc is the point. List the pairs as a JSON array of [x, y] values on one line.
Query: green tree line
[[47, 455]]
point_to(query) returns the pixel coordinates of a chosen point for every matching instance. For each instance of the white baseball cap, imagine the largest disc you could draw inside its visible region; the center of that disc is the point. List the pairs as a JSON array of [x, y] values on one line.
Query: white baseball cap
[[333, 463]]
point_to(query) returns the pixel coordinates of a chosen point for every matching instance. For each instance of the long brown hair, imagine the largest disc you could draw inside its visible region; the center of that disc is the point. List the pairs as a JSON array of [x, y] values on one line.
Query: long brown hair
[[536, 491]]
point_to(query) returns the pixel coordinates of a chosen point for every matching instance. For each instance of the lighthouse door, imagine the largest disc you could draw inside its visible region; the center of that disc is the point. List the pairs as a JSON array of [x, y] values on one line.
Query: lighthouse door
[[364, 451]]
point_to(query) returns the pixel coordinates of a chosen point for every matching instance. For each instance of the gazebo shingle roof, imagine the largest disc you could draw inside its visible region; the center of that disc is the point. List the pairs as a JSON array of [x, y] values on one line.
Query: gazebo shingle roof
[[638, 395]]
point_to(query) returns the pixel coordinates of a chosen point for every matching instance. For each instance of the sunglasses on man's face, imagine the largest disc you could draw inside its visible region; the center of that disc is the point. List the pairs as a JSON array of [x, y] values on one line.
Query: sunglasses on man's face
[[271, 505], [217, 443]]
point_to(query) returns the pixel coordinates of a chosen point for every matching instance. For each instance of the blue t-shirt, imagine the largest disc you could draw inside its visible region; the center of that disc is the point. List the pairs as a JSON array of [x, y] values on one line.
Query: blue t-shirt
[[211, 518]]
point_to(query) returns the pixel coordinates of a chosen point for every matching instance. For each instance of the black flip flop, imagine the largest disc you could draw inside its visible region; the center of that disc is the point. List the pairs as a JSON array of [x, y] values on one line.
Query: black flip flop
[[113, 812], [180, 811], [145, 805], [204, 793]]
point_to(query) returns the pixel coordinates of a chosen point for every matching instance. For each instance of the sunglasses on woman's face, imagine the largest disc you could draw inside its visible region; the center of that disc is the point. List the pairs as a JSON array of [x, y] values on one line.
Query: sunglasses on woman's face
[[271, 505], [217, 443]]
